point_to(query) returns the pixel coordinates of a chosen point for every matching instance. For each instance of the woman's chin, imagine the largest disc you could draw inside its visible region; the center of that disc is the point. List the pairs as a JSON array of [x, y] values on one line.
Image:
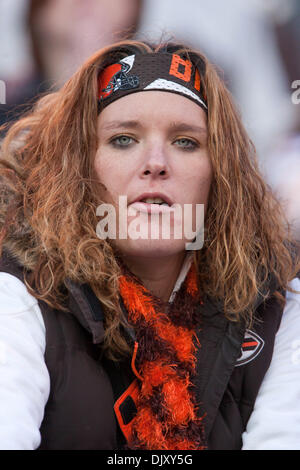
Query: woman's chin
[[150, 248]]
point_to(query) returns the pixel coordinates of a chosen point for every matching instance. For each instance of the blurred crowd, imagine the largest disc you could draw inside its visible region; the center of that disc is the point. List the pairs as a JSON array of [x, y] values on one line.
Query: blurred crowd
[[254, 43]]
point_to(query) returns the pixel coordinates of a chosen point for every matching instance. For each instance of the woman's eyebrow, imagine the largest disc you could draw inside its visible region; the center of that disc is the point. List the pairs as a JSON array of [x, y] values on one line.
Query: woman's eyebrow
[[186, 127], [121, 125], [174, 126]]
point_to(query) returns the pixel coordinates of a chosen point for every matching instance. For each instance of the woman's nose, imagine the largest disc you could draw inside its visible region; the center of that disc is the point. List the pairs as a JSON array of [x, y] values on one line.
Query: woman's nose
[[156, 163]]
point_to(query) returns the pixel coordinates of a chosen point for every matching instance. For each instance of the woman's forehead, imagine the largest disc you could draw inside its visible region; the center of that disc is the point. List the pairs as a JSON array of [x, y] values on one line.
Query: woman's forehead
[[150, 106]]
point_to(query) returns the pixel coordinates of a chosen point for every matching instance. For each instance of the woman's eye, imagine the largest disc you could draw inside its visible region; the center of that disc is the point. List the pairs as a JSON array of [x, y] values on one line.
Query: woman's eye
[[122, 141], [186, 143]]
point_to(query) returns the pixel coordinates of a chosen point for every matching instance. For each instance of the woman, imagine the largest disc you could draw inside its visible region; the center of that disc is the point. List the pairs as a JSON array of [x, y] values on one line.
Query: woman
[[123, 337]]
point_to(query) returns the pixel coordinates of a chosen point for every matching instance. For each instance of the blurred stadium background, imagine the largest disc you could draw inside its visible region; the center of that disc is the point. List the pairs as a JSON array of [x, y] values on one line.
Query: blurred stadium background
[[254, 43]]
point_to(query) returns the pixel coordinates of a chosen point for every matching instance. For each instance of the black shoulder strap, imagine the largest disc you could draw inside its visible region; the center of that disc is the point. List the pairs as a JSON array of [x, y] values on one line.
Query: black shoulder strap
[[220, 346], [119, 373]]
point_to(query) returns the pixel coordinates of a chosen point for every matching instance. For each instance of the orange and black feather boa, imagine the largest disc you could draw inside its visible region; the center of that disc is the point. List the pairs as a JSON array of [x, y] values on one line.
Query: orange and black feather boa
[[166, 409]]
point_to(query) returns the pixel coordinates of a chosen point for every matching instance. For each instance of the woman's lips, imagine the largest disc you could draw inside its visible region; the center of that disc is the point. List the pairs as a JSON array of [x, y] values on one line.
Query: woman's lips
[[151, 208]]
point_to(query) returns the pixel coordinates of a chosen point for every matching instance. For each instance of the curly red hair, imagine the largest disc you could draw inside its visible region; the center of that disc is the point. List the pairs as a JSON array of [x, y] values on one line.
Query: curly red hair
[[50, 188]]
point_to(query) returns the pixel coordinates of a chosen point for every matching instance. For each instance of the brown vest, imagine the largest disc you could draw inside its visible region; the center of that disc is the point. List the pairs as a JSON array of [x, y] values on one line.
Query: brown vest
[[84, 387]]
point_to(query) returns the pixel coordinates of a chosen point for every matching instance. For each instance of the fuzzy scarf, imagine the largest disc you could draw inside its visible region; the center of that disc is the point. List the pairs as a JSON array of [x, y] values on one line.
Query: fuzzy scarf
[[165, 366]]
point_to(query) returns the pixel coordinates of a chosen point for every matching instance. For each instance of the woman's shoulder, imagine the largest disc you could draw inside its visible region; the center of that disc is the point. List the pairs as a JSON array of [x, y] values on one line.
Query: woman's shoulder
[[280, 389], [19, 312], [290, 323], [294, 296], [14, 296], [24, 379]]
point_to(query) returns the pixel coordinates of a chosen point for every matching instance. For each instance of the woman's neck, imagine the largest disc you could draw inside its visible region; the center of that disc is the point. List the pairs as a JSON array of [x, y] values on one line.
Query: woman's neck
[[159, 274]]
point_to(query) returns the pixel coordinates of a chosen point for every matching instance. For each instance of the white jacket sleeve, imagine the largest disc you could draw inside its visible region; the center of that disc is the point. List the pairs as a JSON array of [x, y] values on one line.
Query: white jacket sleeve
[[275, 421], [24, 378]]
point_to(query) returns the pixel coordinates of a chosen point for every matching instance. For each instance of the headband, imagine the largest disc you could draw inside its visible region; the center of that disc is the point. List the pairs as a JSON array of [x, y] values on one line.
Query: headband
[[155, 71]]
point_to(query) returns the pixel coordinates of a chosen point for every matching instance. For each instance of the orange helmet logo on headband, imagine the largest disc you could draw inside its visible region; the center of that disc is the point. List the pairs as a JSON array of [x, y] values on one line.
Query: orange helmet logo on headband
[[106, 82], [115, 77]]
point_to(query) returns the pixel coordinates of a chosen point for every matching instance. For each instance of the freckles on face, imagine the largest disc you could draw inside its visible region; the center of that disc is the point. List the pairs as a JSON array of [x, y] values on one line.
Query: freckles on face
[[153, 143], [195, 181], [141, 129]]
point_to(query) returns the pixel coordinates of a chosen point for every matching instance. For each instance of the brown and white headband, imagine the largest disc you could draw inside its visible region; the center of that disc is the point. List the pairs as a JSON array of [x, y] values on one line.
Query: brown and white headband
[[156, 71]]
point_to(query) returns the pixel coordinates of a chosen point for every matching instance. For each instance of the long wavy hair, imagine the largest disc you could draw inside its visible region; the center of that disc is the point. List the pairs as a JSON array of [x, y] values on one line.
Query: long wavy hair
[[51, 194]]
